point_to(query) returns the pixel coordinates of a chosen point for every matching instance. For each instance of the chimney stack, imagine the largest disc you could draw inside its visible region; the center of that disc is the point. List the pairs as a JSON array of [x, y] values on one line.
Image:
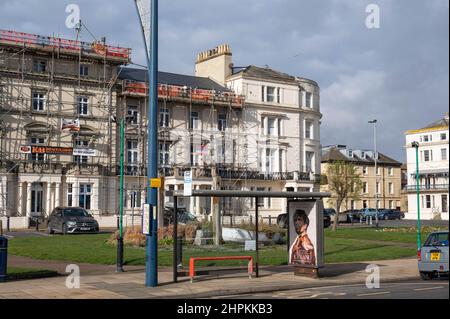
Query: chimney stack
[[215, 63]]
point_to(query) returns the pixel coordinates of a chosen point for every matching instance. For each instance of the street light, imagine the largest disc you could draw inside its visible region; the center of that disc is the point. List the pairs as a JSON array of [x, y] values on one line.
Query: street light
[[120, 238], [416, 146], [374, 122]]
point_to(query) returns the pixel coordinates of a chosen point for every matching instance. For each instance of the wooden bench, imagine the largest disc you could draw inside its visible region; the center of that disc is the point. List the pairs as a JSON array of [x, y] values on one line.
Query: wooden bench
[[192, 261]]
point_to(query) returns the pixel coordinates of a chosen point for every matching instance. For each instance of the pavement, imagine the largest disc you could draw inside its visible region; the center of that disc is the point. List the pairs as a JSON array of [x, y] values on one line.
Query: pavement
[[130, 284]]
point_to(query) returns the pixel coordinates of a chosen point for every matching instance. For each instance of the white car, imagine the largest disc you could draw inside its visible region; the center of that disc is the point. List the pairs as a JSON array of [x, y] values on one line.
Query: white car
[[433, 256]]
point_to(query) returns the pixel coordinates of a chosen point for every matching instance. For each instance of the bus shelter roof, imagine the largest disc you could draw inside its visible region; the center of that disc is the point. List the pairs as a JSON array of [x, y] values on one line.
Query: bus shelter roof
[[252, 194]]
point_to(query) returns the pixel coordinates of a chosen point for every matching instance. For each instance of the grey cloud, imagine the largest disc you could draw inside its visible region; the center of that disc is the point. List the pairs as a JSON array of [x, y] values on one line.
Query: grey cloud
[[398, 74]]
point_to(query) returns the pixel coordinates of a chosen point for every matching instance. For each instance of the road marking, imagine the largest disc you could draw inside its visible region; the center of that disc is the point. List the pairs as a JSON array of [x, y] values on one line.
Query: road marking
[[430, 288], [375, 293]]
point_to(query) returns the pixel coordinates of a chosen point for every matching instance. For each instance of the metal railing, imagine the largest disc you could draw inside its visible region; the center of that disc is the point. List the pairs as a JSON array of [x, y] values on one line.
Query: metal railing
[[22, 38], [431, 187], [166, 91]]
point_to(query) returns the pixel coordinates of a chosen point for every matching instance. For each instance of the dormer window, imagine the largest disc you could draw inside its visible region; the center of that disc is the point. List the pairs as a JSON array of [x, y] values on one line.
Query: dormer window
[[363, 155], [350, 153]]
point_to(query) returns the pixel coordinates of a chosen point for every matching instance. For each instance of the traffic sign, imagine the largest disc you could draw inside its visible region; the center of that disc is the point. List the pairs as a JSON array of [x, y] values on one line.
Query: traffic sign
[[187, 183], [155, 182]]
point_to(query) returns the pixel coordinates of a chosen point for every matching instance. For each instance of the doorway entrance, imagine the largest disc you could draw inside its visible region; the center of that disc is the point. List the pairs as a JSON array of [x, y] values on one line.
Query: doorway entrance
[[37, 194]]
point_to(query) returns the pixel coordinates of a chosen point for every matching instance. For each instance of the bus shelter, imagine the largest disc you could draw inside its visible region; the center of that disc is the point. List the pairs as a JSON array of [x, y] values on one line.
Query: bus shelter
[[304, 220]]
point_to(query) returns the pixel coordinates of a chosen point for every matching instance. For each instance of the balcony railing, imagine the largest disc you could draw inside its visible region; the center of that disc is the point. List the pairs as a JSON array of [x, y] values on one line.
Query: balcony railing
[[435, 187]]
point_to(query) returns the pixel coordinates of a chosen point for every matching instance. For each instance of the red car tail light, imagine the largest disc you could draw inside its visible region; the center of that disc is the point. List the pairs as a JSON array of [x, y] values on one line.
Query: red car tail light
[[419, 255]]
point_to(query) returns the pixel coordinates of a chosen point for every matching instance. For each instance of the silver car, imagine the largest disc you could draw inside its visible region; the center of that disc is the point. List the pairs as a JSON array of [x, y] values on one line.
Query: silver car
[[433, 256]]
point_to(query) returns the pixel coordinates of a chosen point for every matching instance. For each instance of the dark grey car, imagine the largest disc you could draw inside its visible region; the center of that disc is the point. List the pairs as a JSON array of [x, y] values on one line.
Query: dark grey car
[[69, 220]]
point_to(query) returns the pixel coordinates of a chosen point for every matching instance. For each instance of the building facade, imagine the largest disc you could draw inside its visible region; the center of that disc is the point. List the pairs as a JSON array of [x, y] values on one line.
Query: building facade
[[433, 170], [57, 135], [61, 102], [383, 186], [216, 125]]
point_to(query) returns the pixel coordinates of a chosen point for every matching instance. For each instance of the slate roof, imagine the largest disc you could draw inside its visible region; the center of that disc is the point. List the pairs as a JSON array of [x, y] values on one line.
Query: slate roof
[[140, 75], [333, 154], [267, 73], [439, 123]]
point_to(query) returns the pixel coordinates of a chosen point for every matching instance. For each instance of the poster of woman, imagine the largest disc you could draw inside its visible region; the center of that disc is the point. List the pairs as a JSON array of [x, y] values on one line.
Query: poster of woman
[[305, 234], [302, 249]]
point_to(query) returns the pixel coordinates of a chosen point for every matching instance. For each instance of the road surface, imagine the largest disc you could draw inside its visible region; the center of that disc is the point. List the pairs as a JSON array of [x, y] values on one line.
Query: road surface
[[434, 289]]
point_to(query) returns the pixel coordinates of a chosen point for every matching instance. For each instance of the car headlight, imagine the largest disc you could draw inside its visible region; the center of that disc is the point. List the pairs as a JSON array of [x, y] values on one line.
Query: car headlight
[[71, 223]]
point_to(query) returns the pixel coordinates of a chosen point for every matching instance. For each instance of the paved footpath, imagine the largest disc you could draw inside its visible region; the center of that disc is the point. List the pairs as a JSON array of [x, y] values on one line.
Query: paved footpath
[[130, 284]]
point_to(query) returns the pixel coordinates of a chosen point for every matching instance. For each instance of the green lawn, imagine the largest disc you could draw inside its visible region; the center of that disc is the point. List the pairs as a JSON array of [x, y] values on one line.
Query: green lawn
[[344, 245]]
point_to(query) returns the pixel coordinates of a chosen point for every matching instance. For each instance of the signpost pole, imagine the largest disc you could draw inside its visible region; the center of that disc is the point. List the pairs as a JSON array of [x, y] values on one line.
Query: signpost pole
[[257, 236], [120, 238], [175, 239], [151, 269], [419, 240]]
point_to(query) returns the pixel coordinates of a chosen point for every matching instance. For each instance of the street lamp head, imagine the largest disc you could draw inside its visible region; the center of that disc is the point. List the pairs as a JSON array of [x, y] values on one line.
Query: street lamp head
[[415, 144]]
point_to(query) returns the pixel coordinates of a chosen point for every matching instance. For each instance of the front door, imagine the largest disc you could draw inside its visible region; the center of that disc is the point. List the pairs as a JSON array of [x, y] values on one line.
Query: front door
[[37, 193]]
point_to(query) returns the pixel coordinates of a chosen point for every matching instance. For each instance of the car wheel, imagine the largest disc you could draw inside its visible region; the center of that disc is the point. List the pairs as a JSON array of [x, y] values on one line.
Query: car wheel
[[426, 275]]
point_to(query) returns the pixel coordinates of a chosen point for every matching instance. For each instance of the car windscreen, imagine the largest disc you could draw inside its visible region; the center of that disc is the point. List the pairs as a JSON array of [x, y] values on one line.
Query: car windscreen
[[437, 239], [75, 212]]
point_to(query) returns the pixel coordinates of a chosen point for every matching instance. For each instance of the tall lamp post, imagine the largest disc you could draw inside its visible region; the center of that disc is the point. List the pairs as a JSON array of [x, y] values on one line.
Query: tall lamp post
[[416, 146], [151, 268], [374, 122], [120, 238]]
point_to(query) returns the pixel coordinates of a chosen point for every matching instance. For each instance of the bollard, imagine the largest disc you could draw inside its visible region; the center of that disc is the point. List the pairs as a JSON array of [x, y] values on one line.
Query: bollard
[[3, 258], [370, 221], [270, 220], [118, 222], [37, 224], [251, 219], [7, 223]]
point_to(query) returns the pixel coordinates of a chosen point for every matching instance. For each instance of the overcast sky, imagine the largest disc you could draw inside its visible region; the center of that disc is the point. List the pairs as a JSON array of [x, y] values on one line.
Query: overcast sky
[[398, 74]]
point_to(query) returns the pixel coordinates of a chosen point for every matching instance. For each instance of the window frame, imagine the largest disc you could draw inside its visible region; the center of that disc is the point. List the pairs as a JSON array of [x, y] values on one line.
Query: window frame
[[38, 103], [83, 105]]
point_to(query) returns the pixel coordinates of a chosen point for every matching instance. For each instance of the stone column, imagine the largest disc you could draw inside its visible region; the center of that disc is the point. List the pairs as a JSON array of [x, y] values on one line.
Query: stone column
[[197, 202], [28, 207], [57, 194], [284, 203], [266, 125], [19, 199], [76, 193], [192, 202], [48, 197]]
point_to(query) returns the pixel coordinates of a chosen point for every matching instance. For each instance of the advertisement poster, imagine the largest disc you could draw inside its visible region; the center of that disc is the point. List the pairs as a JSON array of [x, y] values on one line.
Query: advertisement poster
[[25, 150], [84, 152], [306, 233], [70, 124]]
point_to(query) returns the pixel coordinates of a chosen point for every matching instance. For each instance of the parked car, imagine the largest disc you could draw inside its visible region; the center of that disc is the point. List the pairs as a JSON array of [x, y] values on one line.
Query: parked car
[[353, 215], [184, 217], [366, 213], [387, 214], [69, 220], [332, 212], [326, 219], [433, 256]]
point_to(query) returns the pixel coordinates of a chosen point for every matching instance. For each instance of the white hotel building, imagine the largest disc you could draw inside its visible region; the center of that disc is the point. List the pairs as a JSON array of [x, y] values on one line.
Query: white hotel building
[[433, 170]]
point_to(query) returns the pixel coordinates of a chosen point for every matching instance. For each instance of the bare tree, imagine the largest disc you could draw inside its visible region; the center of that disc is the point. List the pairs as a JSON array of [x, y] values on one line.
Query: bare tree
[[344, 183]]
